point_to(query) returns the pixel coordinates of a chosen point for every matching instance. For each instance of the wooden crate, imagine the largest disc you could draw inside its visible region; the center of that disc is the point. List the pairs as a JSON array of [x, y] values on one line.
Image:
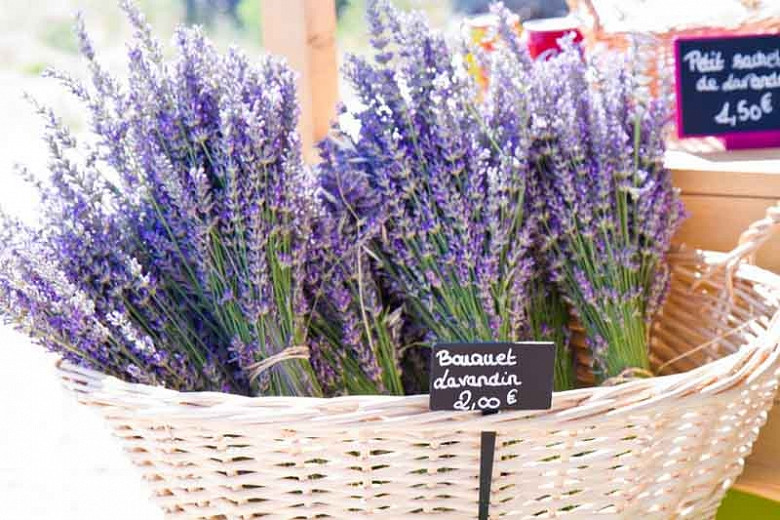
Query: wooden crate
[[725, 192]]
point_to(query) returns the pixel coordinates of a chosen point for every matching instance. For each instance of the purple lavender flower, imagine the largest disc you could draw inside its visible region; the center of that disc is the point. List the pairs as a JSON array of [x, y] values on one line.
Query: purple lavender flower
[[605, 205], [511, 121], [452, 239], [188, 270], [354, 329]]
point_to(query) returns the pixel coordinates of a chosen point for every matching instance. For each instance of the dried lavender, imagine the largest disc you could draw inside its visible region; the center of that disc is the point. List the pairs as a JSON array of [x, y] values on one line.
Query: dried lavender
[[355, 331], [193, 259], [76, 287], [507, 103], [606, 206], [452, 235]]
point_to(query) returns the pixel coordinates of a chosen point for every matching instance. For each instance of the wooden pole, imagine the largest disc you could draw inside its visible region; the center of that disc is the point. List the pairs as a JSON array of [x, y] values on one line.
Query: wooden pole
[[304, 32]]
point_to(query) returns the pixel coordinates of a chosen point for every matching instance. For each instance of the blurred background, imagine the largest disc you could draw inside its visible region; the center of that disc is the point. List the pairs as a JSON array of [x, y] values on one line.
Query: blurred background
[[36, 36]]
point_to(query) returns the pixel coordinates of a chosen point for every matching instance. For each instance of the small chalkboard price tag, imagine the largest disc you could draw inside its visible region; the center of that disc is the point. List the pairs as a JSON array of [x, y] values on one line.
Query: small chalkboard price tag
[[728, 85], [492, 376]]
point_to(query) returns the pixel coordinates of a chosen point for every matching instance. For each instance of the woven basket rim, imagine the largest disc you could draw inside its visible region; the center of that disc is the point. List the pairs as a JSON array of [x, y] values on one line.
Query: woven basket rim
[[153, 403]]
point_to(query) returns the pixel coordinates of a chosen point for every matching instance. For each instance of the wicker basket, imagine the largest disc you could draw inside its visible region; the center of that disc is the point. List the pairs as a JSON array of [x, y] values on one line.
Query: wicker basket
[[661, 448]]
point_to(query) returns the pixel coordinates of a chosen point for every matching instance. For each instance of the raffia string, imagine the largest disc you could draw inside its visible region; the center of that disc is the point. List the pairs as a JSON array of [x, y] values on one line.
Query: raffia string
[[296, 352]]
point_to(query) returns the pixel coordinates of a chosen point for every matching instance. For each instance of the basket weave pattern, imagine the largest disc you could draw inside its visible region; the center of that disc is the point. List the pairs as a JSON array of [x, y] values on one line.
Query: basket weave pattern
[[659, 448]]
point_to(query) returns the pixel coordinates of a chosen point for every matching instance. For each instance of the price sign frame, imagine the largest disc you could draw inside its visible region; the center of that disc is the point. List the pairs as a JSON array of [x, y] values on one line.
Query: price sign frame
[[492, 376], [732, 111]]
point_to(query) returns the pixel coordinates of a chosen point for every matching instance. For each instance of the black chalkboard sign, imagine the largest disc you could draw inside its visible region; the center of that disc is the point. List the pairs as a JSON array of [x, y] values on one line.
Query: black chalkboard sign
[[492, 376], [727, 85]]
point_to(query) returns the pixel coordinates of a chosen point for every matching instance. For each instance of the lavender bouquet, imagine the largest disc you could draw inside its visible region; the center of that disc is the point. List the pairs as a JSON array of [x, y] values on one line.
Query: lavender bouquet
[[355, 329], [605, 203], [173, 244], [510, 106], [447, 205]]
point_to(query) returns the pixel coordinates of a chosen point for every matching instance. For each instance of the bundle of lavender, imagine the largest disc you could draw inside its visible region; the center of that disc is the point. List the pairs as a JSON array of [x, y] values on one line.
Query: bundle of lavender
[[185, 244], [605, 204], [173, 244], [441, 183], [355, 328]]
